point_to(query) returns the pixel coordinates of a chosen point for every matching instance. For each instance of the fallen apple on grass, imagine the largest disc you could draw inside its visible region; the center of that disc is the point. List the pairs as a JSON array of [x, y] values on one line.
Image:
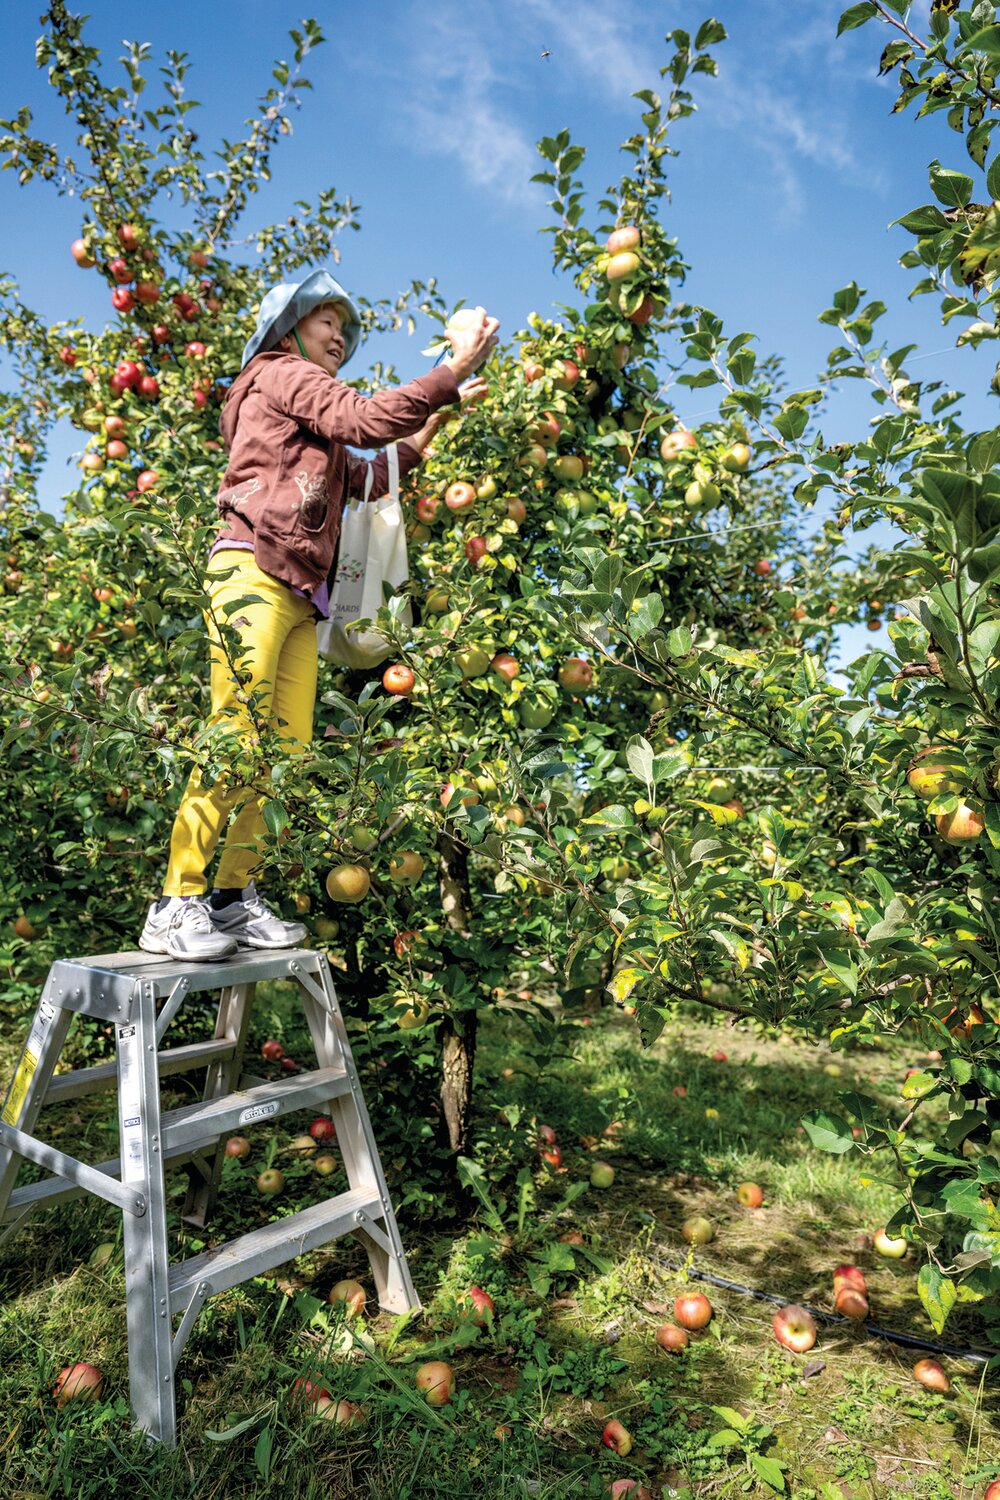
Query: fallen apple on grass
[[672, 1338], [270, 1181], [750, 1195], [477, 1306], [698, 1231], [343, 1413], [851, 1302], [931, 1376], [602, 1174], [308, 1388], [302, 1145], [436, 1382], [351, 1294], [693, 1310], [849, 1276], [80, 1382], [630, 1487], [617, 1438], [322, 1129], [795, 1328], [237, 1145]]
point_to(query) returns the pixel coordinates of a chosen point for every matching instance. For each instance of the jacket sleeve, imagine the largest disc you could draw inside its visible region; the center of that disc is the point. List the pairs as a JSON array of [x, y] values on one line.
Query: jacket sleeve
[[339, 414], [357, 468]]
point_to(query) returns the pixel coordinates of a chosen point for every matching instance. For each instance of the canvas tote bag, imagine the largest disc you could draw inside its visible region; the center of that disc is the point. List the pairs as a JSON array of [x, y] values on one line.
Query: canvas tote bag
[[371, 553]]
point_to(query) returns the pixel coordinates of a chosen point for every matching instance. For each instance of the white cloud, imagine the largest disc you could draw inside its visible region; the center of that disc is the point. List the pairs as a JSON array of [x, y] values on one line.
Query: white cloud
[[452, 102]]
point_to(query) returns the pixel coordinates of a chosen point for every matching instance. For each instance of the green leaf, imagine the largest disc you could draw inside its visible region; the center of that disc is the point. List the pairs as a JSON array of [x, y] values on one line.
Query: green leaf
[[275, 817], [791, 421], [770, 1470], [639, 754], [856, 15], [917, 1085], [937, 1294], [709, 33], [954, 189], [993, 178], [840, 963], [237, 1429], [732, 1418], [987, 40], [828, 1132], [927, 219]]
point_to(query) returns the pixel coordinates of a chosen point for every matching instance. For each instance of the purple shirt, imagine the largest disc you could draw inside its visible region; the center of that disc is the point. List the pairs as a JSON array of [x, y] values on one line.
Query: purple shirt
[[320, 596]]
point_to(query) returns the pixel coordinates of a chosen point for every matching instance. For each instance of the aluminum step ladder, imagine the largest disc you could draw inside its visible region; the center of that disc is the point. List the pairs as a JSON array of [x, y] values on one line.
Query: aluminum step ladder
[[140, 994]]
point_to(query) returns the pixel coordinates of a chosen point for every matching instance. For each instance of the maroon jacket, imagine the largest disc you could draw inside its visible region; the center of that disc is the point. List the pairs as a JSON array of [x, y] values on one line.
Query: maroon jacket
[[285, 423]]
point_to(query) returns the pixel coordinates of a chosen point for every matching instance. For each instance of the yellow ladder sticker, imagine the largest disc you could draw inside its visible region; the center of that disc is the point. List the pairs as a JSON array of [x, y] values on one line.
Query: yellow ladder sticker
[[19, 1088]]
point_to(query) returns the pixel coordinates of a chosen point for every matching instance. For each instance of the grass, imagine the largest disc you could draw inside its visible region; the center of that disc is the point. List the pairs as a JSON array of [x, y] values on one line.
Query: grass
[[572, 1343]]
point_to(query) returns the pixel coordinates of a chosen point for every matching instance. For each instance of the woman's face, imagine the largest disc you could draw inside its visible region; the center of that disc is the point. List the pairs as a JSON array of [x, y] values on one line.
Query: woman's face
[[322, 337]]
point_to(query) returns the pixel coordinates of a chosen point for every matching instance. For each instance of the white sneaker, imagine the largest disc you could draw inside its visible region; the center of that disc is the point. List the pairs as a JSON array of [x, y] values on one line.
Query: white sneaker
[[254, 925], [184, 929]]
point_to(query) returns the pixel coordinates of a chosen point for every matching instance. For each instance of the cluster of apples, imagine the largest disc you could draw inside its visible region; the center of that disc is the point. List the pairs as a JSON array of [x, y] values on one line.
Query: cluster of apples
[[322, 1131], [940, 771]]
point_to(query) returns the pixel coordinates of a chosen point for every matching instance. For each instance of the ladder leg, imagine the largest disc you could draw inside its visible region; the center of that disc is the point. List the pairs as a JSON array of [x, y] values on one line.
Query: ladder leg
[[232, 1024], [349, 1113], [147, 1294], [26, 1094]]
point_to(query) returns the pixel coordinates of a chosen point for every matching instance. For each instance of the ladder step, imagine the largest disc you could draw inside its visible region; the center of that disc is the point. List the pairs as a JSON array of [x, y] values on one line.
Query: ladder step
[[200, 1124], [261, 1250], [80, 1081], [53, 1190], [247, 967]]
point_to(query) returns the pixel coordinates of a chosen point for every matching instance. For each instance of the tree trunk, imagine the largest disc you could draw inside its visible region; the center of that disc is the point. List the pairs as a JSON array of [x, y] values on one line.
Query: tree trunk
[[458, 1033]]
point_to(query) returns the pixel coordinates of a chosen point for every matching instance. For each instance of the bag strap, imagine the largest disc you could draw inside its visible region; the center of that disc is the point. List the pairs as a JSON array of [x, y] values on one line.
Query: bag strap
[[369, 483], [392, 458]]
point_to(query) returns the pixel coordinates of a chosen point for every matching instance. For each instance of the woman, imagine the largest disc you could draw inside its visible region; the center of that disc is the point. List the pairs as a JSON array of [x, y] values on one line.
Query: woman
[[286, 422]]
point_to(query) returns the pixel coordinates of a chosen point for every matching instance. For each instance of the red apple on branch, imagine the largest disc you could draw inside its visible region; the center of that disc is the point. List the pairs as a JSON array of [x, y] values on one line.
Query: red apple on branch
[[626, 238], [398, 680], [460, 496]]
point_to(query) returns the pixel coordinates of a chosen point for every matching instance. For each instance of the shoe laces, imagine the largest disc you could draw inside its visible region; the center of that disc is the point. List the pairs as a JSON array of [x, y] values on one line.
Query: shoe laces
[[254, 905], [194, 913]]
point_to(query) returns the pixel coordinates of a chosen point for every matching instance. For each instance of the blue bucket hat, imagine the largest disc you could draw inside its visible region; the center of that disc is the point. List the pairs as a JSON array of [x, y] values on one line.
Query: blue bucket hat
[[284, 305]]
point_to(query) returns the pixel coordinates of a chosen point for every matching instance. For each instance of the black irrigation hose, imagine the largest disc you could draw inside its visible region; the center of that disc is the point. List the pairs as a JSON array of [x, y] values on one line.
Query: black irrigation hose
[[906, 1339]]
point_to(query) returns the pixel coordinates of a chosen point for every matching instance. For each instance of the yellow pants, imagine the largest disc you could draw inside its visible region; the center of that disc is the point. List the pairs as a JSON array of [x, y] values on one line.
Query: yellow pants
[[278, 649]]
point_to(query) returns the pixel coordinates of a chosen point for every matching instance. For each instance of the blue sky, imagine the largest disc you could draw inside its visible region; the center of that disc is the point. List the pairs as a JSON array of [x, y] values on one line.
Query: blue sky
[[787, 180]]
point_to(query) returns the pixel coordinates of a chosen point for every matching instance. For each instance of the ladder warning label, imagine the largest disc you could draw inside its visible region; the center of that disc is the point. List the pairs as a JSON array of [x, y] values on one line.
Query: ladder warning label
[[259, 1112], [18, 1091]]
